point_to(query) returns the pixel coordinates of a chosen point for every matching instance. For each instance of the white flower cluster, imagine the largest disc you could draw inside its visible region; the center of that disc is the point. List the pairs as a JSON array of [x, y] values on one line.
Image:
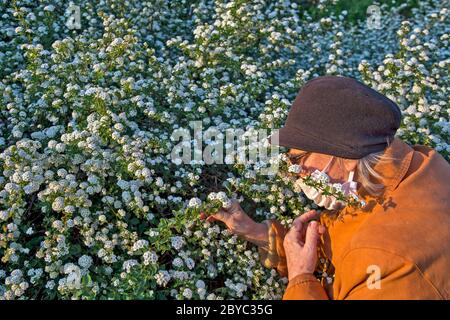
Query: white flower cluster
[[222, 197], [194, 203], [85, 261], [295, 168], [92, 207], [177, 242]]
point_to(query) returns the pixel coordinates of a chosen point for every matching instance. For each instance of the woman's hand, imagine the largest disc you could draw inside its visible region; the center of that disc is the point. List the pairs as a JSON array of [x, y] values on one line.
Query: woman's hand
[[239, 223], [300, 245]]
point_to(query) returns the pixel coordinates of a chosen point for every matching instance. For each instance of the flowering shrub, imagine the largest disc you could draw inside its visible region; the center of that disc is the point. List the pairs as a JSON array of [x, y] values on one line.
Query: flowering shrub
[[91, 205]]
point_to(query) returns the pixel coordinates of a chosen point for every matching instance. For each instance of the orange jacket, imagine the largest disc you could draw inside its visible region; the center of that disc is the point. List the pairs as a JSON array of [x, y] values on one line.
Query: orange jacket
[[401, 238]]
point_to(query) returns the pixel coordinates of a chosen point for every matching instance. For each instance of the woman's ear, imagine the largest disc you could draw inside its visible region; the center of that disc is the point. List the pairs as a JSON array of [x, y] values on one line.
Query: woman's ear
[[350, 164]]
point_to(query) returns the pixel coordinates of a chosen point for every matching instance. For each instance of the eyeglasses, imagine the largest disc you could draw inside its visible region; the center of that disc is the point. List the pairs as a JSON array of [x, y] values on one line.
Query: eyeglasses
[[295, 158]]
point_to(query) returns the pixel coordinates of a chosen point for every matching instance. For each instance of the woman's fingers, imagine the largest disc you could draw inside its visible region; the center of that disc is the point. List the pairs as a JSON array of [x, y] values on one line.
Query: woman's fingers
[[312, 214], [220, 215], [301, 233], [204, 216], [300, 222], [321, 229], [296, 231], [297, 223], [235, 206], [223, 214], [312, 236]]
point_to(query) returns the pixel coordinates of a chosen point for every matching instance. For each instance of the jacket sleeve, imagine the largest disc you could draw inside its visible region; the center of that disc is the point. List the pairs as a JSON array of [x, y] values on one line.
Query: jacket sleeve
[[305, 287], [272, 255]]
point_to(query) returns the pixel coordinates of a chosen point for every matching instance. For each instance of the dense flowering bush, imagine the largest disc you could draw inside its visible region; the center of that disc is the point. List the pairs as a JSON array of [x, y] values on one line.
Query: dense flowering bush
[[91, 205]]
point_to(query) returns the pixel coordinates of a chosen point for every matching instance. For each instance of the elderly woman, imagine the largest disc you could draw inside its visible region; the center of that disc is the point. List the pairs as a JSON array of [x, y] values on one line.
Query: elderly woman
[[396, 246]]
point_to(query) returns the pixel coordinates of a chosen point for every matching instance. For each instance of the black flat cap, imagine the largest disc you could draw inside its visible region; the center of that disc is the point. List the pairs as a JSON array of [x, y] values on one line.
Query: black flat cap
[[339, 116]]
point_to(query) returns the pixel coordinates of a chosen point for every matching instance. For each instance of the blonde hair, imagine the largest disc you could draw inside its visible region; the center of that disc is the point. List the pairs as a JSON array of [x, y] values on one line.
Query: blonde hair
[[366, 174]]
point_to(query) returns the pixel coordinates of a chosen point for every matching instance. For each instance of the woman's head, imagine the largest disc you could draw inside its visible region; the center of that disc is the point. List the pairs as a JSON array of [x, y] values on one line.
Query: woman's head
[[341, 117], [339, 168]]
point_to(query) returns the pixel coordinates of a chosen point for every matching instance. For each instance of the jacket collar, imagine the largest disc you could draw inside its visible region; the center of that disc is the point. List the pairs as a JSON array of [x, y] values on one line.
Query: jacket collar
[[394, 170]]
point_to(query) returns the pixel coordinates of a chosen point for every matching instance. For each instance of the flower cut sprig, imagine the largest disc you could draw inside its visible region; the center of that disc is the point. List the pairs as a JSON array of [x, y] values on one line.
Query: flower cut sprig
[[319, 181], [213, 203]]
